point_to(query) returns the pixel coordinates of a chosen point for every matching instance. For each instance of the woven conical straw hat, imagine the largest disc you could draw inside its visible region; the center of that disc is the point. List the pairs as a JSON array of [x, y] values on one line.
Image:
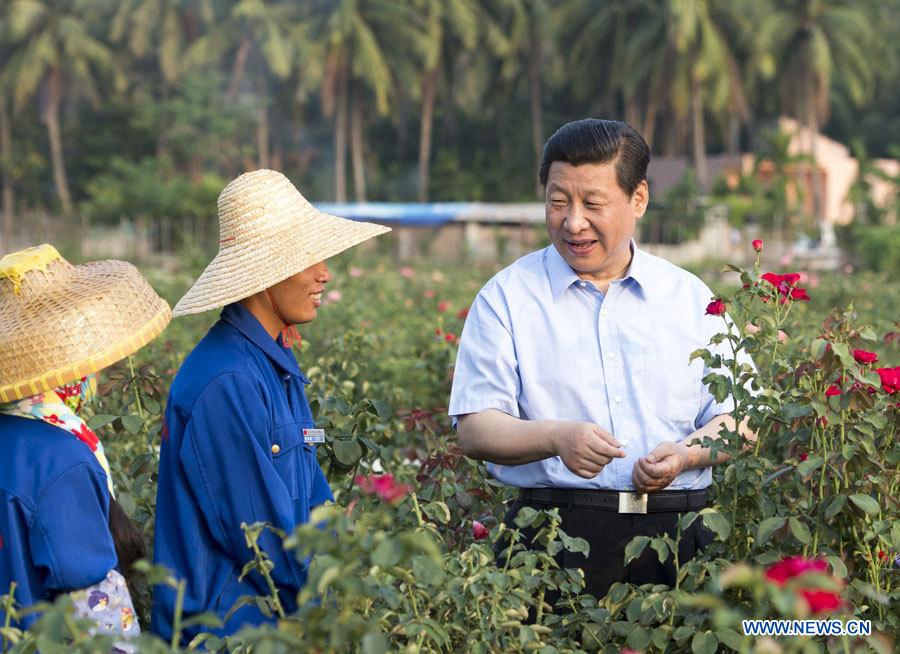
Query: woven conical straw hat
[[60, 322], [267, 232]]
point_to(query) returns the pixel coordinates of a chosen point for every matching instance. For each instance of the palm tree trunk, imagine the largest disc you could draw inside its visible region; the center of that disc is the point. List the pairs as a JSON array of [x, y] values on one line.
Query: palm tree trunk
[[429, 91], [812, 123], [237, 70], [357, 146], [537, 117], [697, 126], [340, 136], [5, 164], [262, 121], [51, 120]]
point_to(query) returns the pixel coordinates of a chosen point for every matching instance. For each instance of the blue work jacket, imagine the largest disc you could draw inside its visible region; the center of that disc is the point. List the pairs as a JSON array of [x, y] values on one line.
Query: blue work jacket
[[54, 514], [233, 452]]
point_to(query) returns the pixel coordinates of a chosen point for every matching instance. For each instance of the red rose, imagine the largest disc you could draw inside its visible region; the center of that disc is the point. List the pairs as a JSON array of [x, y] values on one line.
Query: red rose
[[463, 314], [794, 566], [802, 456], [438, 331], [449, 337], [715, 308], [443, 306], [832, 390], [799, 294], [385, 486], [821, 600], [861, 356], [757, 245], [890, 379], [479, 531]]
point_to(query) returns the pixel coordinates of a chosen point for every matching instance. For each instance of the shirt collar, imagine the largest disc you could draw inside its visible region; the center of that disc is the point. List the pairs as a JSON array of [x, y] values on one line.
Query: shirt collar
[[562, 276], [237, 315]]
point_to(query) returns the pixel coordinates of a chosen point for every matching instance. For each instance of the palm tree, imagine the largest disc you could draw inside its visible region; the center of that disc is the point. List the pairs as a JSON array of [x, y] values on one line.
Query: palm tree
[[451, 26], [662, 51], [161, 29], [363, 38], [8, 203], [253, 32], [54, 48], [816, 42]]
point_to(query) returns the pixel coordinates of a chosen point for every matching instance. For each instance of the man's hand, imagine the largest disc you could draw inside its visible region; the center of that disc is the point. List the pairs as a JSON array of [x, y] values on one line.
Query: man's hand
[[586, 448], [659, 468]]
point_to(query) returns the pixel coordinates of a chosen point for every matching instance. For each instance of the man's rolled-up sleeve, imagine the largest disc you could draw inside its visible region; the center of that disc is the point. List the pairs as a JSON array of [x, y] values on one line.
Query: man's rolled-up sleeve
[[228, 465], [486, 375]]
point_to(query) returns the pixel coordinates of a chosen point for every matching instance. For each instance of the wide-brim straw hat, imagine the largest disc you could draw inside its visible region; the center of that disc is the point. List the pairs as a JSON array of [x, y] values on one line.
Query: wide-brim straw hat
[[267, 232], [60, 322]]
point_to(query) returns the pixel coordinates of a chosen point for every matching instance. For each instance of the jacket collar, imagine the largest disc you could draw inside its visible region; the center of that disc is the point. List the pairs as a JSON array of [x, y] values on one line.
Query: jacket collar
[[236, 315]]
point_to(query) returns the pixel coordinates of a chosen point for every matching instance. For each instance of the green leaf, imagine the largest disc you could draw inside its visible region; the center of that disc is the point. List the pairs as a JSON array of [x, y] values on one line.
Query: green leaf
[[437, 511], [704, 643], [714, 520], [806, 467], [427, 571], [766, 528], [635, 548], [347, 452], [835, 506], [639, 638], [792, 411], [382, 408], [662, 551], [816, 349], [126, 501], [682, 634], [866, 503], [132, 423], [800, 530], [730, 638], [100, 420], [373, 643], [728, 267]]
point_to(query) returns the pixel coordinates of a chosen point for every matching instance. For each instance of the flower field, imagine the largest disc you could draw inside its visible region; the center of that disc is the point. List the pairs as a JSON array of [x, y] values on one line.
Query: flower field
[[805, 517]]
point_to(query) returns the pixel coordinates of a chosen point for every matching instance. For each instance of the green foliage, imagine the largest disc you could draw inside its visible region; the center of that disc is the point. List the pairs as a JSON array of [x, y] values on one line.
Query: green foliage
[[879, 247], [405, 572]]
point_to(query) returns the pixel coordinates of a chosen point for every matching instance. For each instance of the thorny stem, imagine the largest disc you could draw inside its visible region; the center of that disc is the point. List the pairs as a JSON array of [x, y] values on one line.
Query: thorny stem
[[176, 619], [7, 610]]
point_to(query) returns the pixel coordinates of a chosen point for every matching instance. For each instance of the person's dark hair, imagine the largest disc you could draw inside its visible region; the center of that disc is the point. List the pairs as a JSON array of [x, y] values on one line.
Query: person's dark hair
[[593, 140], [129, 542]]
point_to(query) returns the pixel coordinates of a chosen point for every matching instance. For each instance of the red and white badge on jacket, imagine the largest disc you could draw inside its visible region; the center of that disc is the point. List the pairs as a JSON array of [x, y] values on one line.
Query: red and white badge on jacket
[[313, 435]]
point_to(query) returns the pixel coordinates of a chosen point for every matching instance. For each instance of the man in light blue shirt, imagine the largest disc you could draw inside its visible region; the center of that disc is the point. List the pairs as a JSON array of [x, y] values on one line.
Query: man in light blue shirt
[[574, 379]]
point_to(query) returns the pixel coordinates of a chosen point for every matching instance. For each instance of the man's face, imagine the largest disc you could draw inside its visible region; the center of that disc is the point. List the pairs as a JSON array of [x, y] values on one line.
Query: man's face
[[590, 218], [300, 295]]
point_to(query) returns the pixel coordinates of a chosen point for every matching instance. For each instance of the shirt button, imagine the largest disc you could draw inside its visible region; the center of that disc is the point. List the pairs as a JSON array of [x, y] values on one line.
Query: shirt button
[[603, 312], [618, 399], [611, 355], [622, 441], [275, 449]]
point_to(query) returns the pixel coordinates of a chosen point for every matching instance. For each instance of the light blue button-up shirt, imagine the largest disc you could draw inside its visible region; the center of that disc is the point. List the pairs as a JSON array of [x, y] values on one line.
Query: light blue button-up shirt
[[540, 343]]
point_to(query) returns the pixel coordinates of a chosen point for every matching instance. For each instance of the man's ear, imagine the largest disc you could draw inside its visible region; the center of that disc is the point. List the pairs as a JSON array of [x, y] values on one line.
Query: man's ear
[[640, 199]]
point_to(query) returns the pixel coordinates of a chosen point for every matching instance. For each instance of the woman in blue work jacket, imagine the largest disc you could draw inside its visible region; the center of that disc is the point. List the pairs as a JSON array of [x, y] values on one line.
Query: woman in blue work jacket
[[60, 528], [238, 445]]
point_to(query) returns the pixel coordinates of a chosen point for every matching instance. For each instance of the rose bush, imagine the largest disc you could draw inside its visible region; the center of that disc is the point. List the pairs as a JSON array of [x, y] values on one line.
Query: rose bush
[[805, 517]]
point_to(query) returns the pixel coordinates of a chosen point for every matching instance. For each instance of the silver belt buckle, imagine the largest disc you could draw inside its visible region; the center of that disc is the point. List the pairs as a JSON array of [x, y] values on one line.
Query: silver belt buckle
[[632, 502]]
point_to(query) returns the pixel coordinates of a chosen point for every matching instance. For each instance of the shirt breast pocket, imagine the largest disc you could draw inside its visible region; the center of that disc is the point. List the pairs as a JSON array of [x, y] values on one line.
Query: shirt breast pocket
[[289, 454], [673, 384]]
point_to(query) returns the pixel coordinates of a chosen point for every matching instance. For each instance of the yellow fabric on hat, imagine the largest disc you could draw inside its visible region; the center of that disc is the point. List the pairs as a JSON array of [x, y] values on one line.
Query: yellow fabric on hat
[[14, 266]]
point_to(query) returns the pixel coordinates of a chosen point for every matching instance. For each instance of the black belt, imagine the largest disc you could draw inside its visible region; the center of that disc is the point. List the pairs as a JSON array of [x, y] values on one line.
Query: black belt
[[619, 501]]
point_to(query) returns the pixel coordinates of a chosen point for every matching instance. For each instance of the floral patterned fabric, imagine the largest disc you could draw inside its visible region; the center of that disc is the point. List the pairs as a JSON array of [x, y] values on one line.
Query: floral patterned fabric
[[58, 407], [108, 603]]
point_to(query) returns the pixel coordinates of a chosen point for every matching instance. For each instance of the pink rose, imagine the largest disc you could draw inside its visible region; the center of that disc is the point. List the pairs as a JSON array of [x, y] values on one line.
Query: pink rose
[[479, 531], [758, 245]]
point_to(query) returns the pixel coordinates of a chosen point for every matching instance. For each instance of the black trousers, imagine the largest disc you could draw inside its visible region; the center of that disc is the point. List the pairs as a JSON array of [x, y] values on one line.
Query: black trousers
[[608, 532]]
